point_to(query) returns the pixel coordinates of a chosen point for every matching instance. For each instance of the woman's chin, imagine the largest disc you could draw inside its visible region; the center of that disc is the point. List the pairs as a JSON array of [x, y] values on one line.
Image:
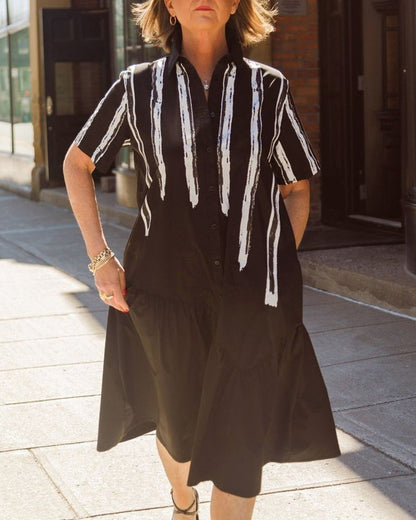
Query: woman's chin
[[204, 24]]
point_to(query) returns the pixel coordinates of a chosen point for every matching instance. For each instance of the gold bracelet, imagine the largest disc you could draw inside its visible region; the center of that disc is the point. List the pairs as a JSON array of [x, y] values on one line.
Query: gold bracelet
[[100, 260]]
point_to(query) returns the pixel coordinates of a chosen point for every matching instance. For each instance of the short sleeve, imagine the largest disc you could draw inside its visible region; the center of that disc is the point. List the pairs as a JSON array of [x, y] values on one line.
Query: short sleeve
[[292, 156], [107, 128]]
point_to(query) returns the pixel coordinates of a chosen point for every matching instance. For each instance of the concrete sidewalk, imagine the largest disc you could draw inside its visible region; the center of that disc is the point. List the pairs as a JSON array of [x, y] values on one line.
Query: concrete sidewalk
[[51, 346]]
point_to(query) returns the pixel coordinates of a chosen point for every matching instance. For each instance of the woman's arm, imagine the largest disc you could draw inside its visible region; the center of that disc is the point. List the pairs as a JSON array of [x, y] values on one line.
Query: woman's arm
[[109, 279], [297, 198]]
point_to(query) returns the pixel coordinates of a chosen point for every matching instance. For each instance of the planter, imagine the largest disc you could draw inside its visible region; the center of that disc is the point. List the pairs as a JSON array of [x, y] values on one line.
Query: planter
[[126, 187], [409, 206]]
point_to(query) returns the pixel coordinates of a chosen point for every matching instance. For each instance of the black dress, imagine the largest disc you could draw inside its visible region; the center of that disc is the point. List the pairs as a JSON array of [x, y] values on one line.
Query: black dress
[[213, 353]]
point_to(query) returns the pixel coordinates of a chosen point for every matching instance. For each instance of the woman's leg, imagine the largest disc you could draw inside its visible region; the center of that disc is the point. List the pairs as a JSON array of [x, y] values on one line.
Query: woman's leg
[[225, 506], [177, 473]]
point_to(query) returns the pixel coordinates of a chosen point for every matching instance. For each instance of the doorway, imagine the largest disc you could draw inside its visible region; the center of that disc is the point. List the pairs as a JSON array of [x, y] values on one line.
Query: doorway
[[76, 48], [360, 113]]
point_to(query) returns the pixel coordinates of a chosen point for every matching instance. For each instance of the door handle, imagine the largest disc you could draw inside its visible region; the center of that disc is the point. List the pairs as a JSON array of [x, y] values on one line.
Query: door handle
[[49, 106]]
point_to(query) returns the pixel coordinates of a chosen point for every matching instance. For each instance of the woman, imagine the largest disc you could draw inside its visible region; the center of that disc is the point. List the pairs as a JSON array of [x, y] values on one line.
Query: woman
[[205, 341]]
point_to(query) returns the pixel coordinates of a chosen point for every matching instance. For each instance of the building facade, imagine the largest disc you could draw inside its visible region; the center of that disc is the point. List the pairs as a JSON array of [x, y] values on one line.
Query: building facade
[[349, 64]]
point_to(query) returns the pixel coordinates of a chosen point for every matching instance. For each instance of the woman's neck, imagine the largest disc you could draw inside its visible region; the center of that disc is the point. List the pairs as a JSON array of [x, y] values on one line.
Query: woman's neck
[[203, 51]]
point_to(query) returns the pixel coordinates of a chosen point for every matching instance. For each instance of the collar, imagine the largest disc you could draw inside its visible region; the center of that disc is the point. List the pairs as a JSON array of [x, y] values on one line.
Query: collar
[[235, 50]]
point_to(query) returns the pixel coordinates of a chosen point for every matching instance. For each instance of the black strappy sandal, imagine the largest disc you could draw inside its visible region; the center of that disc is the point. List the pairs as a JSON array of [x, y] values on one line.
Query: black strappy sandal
[[187, 511]]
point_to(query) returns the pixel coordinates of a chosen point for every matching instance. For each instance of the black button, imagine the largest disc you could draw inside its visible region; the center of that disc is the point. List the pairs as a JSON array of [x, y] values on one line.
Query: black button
[[217, 262], [212, 114], [214, 226], [211, 188], [209, 149]]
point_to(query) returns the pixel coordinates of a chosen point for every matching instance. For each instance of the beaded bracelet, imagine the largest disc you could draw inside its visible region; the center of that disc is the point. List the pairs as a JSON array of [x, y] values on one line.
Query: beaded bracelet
[[100, 260]]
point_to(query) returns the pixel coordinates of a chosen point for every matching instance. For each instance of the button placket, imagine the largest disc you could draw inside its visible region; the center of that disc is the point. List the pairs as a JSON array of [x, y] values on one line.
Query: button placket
[[209, 171]]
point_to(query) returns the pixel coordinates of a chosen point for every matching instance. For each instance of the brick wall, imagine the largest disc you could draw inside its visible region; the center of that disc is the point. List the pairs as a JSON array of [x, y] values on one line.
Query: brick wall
[[295, 53]]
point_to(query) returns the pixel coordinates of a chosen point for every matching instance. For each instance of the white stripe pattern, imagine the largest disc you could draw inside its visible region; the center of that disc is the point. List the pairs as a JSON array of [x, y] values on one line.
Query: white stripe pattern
[[188, 134], [132, 119], [284, 86], [224, 136], [300, 135], [156, 100], [284, 163], [273, 237], [254, 163], [112, 131]]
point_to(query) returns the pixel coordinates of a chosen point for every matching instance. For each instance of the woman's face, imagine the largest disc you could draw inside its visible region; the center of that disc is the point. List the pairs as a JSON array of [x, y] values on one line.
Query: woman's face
[[197, 15]]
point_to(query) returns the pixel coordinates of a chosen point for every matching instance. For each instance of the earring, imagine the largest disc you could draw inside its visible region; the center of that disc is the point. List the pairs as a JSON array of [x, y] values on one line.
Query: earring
[[172, 19]]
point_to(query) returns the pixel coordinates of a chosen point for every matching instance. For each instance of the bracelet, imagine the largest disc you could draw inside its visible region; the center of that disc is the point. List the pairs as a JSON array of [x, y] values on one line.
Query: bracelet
[[100, 260]]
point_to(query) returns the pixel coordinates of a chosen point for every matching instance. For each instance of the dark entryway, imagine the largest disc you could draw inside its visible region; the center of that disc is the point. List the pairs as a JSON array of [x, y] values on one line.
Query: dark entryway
[[77, 75], [360, 112]]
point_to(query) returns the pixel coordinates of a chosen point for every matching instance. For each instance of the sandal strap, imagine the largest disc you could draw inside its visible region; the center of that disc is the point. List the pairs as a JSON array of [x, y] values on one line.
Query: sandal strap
[[186, 511]]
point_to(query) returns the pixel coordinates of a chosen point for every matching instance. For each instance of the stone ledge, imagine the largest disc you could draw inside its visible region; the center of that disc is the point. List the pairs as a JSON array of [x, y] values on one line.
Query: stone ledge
[[370, 274]]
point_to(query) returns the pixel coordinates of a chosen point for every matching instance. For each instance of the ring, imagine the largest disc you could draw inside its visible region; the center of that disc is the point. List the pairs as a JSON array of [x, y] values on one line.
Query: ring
[[104, 296]]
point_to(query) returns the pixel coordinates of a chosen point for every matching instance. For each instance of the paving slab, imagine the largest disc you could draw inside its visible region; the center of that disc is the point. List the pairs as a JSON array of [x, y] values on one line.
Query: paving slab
[[131, 477], [58, 326], [17, 213], [57, 382], [15, 256], [389, 427], [345, 314], [18, 265], [355, 343], [158, 513], [384, 499], [314, 297], [49, 423], [358, 462], [27, 493], [49, 352], [5, 194], [371, 381], [65, 250], [43, 298]]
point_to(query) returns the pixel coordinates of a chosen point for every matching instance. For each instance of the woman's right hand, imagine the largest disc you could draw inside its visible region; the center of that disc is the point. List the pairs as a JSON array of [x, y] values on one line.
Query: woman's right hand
[[111, 284]]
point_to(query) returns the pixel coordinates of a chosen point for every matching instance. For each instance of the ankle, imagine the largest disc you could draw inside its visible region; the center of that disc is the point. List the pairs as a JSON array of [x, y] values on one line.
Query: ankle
[[183, 497]]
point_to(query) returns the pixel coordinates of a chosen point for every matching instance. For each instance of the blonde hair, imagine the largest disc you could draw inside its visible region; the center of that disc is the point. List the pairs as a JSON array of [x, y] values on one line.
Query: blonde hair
[[253, 22]]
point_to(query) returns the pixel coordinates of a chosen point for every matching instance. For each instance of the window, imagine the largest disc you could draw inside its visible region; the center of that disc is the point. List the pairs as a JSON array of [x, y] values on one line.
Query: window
[[18, 10], [21, 93], [137, 50], [3, 14], [118, 18], [5, 117], [129, 45], [16, 129]]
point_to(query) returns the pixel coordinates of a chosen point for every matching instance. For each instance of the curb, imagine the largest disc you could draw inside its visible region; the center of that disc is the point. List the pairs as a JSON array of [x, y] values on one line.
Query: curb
[[386, 294]]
